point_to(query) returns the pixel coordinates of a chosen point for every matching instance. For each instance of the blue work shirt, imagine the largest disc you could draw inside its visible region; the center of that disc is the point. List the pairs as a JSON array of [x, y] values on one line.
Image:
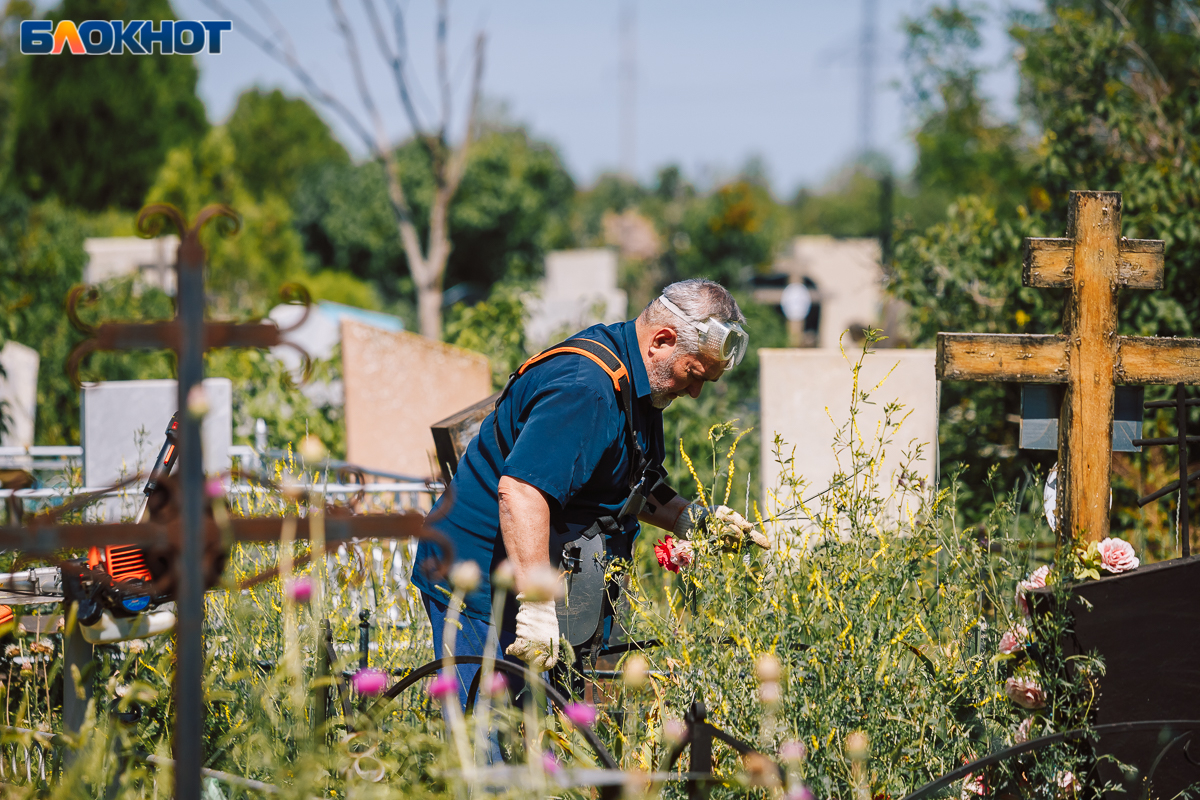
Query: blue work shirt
[[564, 427]]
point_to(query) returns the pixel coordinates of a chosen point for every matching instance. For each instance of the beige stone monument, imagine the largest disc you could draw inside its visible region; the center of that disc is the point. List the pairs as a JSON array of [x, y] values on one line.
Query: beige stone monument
[[397, 384], [806, 397]]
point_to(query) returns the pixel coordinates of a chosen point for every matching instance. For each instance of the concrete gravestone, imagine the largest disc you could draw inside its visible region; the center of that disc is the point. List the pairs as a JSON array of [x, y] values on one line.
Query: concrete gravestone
[[806, 397], [397, 385], [18, 393], [580, 290], [124, 423], [150, 260]]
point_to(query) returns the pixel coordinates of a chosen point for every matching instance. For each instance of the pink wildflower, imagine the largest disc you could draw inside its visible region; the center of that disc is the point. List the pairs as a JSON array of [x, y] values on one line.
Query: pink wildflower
[[550, 763], [369, 681], [213, 488], [1013, 640], [497, 685], [299, 590], [800, 792], [442, 686], [1035, 581], [1025, 692], [793, 751], [580, 714], [1117, 556]]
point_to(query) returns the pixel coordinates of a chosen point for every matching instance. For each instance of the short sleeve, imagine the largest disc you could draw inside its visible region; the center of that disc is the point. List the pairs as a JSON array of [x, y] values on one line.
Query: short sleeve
[[562, 441]]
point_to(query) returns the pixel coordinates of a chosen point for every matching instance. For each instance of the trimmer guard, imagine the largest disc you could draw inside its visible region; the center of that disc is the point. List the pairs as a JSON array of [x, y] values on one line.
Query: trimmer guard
[[583, 560]]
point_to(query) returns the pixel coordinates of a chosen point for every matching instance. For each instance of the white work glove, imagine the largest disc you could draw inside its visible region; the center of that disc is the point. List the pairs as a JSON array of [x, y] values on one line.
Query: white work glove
[[730, 527], [537, 634]]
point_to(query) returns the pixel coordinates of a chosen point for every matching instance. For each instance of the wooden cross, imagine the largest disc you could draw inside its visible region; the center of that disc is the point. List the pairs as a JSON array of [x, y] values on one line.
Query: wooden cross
[[1090, 357]]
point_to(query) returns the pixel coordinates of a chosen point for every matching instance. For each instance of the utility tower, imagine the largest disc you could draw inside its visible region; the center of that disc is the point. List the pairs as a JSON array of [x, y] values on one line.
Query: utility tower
[[627, 122], [866, 78]]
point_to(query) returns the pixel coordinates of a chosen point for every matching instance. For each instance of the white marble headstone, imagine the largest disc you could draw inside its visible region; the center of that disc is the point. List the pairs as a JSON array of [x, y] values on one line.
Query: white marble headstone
[[125, 423], [806, 398], [580, 289], [18, 390]]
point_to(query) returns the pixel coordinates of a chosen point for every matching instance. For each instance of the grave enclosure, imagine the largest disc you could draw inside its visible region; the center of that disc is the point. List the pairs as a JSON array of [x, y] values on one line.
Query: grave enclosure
[[1134, 620]]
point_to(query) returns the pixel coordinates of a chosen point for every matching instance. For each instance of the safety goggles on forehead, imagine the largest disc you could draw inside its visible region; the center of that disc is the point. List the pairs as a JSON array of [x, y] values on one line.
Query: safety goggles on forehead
[[719, 340]]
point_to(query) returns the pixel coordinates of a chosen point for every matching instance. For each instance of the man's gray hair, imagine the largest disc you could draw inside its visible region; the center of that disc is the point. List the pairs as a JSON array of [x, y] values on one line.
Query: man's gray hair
[[700, 299]]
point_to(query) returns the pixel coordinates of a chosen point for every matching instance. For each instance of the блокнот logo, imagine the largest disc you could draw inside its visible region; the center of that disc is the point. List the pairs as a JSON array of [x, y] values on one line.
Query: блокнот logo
[[139, 36]]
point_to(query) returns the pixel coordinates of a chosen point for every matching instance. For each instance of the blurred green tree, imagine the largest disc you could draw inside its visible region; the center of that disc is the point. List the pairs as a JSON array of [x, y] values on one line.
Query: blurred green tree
[[94, 130], [277, 139], [510, 210], [1113, 91], [244, 271]]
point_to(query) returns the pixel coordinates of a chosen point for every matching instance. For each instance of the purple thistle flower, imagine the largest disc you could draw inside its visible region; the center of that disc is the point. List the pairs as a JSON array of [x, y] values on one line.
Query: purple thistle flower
[[299, 590], [369, 681], [550, 763], [497, 685], [443, 686], [580, 714]]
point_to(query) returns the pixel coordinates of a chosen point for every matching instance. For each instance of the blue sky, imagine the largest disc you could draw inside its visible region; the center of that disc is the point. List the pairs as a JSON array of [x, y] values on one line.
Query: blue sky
[[717, 82]]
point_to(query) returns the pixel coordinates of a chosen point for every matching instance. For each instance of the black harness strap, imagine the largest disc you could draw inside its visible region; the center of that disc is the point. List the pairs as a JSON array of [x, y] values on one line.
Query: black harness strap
[[612, 365]]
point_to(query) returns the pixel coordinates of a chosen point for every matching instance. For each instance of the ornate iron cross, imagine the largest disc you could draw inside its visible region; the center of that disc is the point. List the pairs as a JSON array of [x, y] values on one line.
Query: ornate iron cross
[[189, 335]]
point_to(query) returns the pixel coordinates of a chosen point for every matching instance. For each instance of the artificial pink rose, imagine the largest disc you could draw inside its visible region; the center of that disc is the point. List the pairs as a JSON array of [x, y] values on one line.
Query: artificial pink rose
[[1068, 784], [1024, 731], [1035, 581], [1013, 641], [973, 785], [674, 554], [1025, 692], [1117, 556]]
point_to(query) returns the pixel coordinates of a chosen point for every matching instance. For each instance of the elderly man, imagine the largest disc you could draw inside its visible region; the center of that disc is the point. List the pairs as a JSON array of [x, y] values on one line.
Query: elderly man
[[568, 463]]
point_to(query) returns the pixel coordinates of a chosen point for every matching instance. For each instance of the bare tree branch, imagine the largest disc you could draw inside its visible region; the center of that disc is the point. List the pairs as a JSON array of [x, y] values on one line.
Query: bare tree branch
[[417, 263], [395, 59], [442, 68], [289, 60], [458, 161]]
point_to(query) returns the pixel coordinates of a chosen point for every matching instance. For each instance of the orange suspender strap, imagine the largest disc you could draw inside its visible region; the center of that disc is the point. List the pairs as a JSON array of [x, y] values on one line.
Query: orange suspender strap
[[608, 361]]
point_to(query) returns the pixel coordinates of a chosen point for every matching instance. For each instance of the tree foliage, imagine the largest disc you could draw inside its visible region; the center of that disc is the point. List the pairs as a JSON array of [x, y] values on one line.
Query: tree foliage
[[1111, 94], [93, 130], [278, 139]]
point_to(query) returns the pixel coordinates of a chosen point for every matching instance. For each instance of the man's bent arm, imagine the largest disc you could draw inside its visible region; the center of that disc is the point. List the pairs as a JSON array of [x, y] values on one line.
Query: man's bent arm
[[524, 526], [666, 515]]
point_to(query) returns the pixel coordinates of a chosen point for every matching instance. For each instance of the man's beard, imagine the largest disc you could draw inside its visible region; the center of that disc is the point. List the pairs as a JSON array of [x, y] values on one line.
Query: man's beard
[[660, 378]]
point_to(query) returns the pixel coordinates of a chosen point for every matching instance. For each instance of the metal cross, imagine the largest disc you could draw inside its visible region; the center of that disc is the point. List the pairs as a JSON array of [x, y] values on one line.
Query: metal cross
[[188, 334]]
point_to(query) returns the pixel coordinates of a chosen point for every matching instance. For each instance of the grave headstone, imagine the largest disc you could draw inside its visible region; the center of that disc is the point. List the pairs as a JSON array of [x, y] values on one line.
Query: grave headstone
[[806, 397], [580, 289], [151, 260], [397, 385], [18, 391], [123, 426]]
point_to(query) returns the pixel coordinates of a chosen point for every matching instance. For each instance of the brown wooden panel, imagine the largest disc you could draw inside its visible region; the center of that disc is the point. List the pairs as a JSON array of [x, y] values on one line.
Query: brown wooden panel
[[1142, 359], [1085, 462], [1049, 263], [1021, 358], [1140, 264]]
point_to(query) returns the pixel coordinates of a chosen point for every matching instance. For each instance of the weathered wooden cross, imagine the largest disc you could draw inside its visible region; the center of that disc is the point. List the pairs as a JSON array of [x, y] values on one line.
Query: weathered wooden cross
[[1090, 357]]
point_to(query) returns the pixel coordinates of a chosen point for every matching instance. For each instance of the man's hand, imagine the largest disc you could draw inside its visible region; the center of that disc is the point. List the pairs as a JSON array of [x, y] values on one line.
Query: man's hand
[[727, 525], [537, 634]]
